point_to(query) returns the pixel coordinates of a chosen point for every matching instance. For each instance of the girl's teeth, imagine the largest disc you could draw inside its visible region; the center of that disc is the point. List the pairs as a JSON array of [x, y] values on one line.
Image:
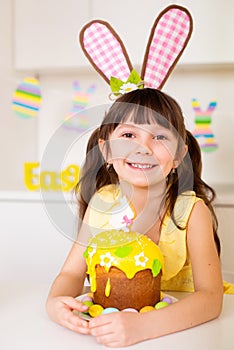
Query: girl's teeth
[[142, 166]]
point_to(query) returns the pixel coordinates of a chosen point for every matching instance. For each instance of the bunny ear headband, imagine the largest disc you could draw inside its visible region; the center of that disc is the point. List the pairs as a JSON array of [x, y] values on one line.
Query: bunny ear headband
[[105, 50]]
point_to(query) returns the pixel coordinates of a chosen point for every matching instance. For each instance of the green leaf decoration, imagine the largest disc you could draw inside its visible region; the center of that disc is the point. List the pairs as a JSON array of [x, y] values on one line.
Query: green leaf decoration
[[86, 253], [121, 252], [134, 77], [115, 84], [156, 267]]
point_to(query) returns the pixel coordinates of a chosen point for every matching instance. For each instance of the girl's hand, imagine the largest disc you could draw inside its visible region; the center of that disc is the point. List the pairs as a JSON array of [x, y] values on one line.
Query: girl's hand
[[60, 310], [118, 329]]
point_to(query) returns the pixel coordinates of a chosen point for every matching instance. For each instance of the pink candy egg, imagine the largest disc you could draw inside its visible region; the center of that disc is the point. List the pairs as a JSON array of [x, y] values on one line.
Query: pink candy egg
[[167, 300], [129, 310], [86, 298]]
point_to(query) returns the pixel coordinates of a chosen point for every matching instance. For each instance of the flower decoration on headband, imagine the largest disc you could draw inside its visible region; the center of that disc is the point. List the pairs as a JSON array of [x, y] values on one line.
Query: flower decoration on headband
[[120, 87], [168, 38]]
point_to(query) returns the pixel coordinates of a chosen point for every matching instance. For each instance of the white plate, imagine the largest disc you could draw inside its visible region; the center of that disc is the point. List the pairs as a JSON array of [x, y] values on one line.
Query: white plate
[[88, 317]]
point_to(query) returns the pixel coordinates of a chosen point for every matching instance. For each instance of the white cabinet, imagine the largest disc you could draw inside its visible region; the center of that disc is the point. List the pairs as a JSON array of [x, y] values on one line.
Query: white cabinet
[[132, 20], [212, 39], [45, 33], [32, 247]]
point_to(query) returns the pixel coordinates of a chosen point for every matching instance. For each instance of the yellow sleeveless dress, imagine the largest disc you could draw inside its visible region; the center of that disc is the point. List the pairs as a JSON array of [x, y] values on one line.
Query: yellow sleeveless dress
[[177, 266], [108, 210]]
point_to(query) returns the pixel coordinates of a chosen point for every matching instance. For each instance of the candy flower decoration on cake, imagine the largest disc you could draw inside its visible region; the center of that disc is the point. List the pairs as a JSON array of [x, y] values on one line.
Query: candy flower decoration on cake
[[107, 260], [141, 259]]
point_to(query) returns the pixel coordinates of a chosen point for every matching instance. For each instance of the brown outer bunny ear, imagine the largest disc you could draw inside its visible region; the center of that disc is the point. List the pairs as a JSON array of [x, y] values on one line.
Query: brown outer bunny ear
[[105, 50], [168, 38]]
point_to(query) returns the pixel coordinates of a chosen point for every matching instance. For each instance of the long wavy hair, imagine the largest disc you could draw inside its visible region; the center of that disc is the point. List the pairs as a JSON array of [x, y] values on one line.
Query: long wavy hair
[[144, 106]]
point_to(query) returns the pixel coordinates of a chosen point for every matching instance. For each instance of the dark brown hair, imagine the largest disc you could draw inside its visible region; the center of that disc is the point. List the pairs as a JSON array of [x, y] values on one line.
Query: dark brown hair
[[146, 106]]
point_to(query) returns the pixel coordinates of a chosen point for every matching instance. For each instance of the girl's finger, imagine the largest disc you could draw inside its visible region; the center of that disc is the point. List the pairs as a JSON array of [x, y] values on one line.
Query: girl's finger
[[76, 324], [77, 328], [77, 321], [75, 304], [100, 321]]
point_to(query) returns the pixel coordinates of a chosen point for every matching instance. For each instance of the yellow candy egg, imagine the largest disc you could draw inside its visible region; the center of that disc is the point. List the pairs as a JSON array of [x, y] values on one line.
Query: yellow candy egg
[[146, 309], [95, 310]]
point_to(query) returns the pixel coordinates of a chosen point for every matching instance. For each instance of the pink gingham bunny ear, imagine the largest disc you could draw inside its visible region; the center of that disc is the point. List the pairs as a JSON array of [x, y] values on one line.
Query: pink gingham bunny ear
[[168, 38], [105, 50]]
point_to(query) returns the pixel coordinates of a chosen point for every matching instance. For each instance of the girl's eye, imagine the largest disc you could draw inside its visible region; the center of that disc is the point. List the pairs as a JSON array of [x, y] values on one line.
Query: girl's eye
[[128, 135], [160, 137]]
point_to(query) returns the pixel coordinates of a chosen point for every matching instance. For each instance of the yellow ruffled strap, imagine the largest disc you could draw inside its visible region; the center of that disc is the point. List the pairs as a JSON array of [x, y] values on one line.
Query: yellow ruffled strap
[[173, 243], [228, 288]]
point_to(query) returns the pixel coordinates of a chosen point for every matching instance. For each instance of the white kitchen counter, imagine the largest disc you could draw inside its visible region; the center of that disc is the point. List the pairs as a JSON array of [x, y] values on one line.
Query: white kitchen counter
[[24, 325], [224, 195]]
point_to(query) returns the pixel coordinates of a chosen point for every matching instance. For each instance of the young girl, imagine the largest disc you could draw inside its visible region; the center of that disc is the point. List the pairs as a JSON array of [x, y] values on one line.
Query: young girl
[[143, 152]]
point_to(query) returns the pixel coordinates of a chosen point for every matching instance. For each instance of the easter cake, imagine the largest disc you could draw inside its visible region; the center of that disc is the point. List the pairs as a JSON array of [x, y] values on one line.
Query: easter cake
[[124, 270]]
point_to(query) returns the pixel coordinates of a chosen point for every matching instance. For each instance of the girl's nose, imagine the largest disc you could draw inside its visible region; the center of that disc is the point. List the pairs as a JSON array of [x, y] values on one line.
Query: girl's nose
[[143, 149]]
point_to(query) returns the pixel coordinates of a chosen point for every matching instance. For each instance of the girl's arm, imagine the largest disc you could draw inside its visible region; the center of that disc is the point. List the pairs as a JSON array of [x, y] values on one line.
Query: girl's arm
[[122, 329], [67, 286]]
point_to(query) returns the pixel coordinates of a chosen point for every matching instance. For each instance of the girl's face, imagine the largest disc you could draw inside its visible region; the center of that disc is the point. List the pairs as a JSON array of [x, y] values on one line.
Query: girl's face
[[143, 154]]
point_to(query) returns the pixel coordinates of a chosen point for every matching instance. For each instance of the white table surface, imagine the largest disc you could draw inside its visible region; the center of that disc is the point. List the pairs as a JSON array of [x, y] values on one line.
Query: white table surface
[[24, 325]]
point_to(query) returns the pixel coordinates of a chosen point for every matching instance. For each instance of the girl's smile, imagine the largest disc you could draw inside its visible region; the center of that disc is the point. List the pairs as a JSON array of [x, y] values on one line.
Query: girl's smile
[[139, 166]]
